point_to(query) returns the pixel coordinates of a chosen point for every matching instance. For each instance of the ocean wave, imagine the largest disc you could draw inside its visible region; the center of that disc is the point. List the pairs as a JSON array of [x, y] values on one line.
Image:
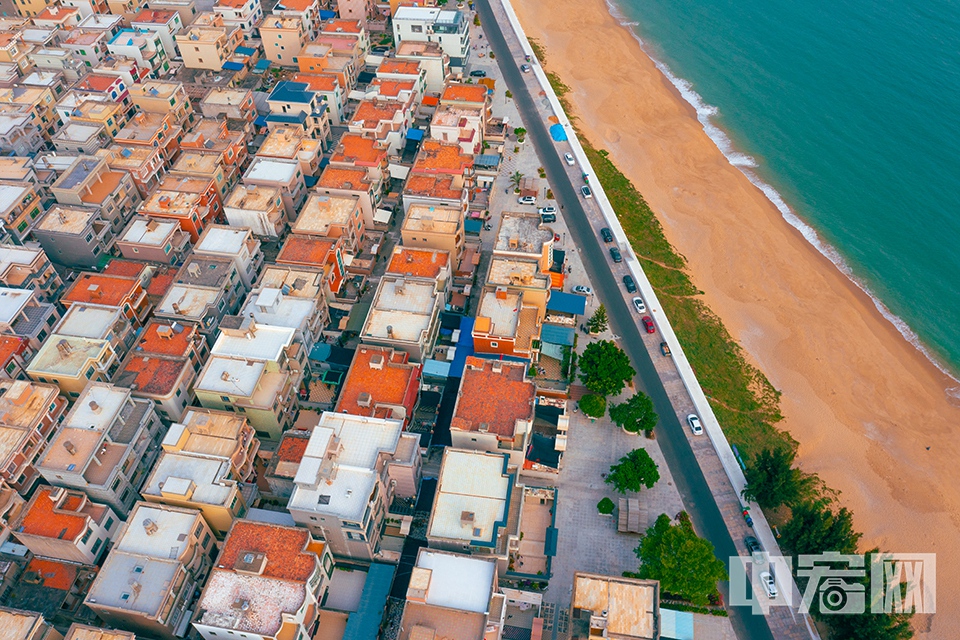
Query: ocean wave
[[745, 163]]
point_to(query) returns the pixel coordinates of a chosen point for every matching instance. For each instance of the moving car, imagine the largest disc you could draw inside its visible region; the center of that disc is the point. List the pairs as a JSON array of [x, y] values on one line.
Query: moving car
[[606, 234], [543, 210], [585, 191], [694, 421], [755, 550], [527, 200], [615, 254], [587, 291], [525, 68], [769, 584], [639, 305], [665, 349], [547, 218], [568, 158], [478, 73], [631, 287], [648, 325]]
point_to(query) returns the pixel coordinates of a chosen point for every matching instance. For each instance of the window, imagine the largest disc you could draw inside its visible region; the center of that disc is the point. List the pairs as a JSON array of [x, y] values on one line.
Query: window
[[206, 540], [22, 226], [86, 536], [416, 28], [494, 345], [225, 398], [115, 485], [89, 373], [11, 368], [233, 503], [109, 524], [96, 546]]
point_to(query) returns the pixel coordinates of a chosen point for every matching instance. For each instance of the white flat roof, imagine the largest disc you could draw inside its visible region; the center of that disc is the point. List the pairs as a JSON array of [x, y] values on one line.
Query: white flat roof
[[167, 540], [191, 301], [408, 313], [222, 240], [267, 343], [88, 321], [231, 376], [470, 482], [149, 231], [12, 301], [272, 170], [10, 194], [115, 583], [290, 311], [267, 600], [176, 472], [458, 581]]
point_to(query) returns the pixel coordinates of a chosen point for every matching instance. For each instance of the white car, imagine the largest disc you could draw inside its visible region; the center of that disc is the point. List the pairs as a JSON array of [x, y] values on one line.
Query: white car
[[769, 584], [586, 192], [694, 421], [527, 200], [543, 210], [587, 291], [568, 158], [639, 306]]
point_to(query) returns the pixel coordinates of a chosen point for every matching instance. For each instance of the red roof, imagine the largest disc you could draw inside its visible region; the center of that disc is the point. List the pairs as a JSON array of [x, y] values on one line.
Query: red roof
[[350, 178], [393, 382], [97, 82], [422, 263], [162, 280], [159, 337], [317, 81], [442, 157], [342, 25], [152, 374], [43, 518], [465, 93], [480, 384], [402, 67], [359, 150], [305, 250], [9, 346], [102, 289], [55, 575], [126, 268], [291, 449], [282, 546]]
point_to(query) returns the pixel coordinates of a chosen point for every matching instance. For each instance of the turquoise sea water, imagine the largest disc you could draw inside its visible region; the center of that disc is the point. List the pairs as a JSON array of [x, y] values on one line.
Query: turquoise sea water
[[850, 112]]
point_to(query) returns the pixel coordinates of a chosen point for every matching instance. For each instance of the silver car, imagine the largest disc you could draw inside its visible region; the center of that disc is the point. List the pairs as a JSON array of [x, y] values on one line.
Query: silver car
[[694, 421], [639, 305]]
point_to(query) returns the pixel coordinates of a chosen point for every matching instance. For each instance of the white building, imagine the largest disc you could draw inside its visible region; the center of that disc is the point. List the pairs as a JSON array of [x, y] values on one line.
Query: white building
[[451, 28]]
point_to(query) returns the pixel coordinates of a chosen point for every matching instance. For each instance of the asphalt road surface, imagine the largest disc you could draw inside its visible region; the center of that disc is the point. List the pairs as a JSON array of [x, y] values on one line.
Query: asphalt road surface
[[693, 488]]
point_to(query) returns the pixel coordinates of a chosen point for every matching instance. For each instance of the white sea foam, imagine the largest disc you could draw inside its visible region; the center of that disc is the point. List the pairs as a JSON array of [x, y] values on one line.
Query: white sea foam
[[746, 164]]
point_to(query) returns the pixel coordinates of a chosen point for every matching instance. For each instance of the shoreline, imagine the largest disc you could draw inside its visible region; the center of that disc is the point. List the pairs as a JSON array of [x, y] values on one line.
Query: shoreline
[[872, 413], [704, 112]]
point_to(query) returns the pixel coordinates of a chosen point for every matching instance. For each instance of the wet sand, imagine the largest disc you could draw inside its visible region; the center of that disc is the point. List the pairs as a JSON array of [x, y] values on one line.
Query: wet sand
[[869, 410]]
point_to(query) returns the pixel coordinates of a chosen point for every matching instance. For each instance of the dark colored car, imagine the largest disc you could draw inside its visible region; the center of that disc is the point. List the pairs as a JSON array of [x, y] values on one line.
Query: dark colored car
[[615, 254], [754, 549], [648, 324], [548, 217], [629, 284], [665, 349], [525, 68], [478, 73], [606, 234]]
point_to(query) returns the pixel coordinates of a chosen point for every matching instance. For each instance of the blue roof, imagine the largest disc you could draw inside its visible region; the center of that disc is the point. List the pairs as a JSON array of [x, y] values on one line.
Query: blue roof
[[464, 348], [246, 51], [260, 121], [287, 118], [261, 66], [364, 623], [436, 368], [555, 334], [310, 181], [558, 133], [414, 134], [229, 65], [287, 91], [486, 160], [326, 15], [473, 225], [567, 303]]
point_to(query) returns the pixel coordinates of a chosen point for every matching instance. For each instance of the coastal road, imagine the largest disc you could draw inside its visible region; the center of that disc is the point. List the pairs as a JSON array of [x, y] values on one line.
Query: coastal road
[[694, 490]]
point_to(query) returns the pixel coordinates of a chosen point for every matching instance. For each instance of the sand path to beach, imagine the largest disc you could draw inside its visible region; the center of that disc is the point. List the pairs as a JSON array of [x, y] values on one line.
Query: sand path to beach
[[870, 412]]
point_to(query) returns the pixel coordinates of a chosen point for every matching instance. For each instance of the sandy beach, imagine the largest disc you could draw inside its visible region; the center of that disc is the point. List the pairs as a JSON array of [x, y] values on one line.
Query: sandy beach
[[869, 410]]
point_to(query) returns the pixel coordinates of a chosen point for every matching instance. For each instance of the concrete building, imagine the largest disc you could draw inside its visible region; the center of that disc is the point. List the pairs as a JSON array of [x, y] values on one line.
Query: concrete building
[[524, 236], [144, 164], [208, 42], [29, 415], [146, 47], [90, 182], [332, 217], [278, 575], [79, 631], [342, 489], [327, 86], [285, 461], [243, 14], [507, 323], [123, 292], [107, 445], [292, 143], [79, 138], [98, 322], [160, 558], [462, 117], [153, 240], [437, 228], [257, 208], [14, 354], [164, 23], [404, 315], [282, 38], [272, 307], [237, 244], [70, 363], [356, 151], [11, 506], [306, 11], [503, 427], [186, 208], [163, 97], [453, 595], [207, 457], [285, 175], [18, 134], [206, 289], [354, 182], [614, 607], [450, 28], [386, 121], [88, 46], [193, 164], [27, 625], [20, 207], [212, 138], [29, 268], [294, 104], [79, 236], [66, 525], [381, 383], [433, 61]]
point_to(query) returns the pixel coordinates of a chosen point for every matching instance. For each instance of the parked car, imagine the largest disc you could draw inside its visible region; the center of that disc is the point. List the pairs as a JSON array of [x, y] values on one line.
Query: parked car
[[587, 291], [694, 421], [478, 73], [631, 286], [568, 158], [548, 209], [585, 191], [527, 200], [606, 234], [754, 549], [525, 68], [639, 305], [665, 349], [648, 325], [769, 584], [615, 254], [547, 218]]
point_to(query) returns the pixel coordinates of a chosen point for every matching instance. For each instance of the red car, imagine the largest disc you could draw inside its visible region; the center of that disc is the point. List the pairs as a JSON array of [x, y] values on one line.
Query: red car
[[648, 324]]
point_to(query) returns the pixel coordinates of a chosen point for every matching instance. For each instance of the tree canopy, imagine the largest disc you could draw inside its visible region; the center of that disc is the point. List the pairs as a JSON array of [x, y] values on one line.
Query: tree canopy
[[634, 471], [772, 479], [598, 322], [684, 563], [814, 528], [593, 405], [605, 368], [636, 414]]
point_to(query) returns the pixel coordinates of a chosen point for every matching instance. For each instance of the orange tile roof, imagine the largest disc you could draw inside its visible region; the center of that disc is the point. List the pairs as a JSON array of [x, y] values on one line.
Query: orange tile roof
[[406, 67], [153, 375], [392, 88], [514, 397], [342, 25], [387, 385], [97, 82], [10, 345], [352, 178], [56, 575], [110, 290], [297, 5], [305, 250], [437, 186], [41, 518], [178, 343], [359, 150], [60, 15], [158, 15], [418, 262], [283, 547], [291, 449], [317, 81], [162, 281], [125, 268], [465, 93], [371, 112], [103, 188], [7, 38], [442, 157]]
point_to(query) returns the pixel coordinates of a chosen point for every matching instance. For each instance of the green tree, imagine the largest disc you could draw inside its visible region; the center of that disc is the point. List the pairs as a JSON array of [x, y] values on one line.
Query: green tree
[[606, 506], [684, 563], [520, 132], [515, 179], [635, 471], [867, 625], [605, 368], [593, 405], [598, 321], [636, 414], [814, 528], [772, 479]]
